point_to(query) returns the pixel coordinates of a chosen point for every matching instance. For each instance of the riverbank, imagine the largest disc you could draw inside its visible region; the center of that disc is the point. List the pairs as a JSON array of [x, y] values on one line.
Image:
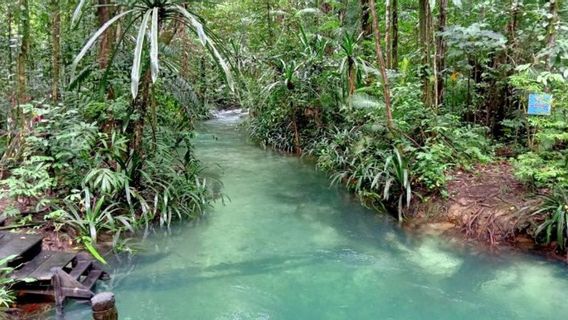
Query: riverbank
[[486, 205], [287, 246], [476, 199]]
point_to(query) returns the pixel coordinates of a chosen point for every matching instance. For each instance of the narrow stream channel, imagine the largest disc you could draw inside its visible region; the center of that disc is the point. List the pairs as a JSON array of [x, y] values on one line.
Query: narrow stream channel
[[289, 247]]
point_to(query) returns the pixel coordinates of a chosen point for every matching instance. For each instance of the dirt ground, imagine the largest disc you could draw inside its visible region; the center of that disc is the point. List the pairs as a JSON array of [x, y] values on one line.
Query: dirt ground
[[487, 204], [53, 239]]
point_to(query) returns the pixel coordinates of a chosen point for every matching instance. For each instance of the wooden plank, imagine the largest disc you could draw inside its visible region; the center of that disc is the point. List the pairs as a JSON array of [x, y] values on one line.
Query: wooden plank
[[39, 292], [67, 287], [77, 293], [57, 259], [80, 269], [24, 246], [92, 278], [41, 266]]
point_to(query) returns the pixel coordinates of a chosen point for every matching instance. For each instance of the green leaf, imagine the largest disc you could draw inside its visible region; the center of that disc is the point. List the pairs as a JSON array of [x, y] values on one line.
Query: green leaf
[[92, 250], [206, 42], [135, 75], [94, 38], [154, 45], [77, 12]]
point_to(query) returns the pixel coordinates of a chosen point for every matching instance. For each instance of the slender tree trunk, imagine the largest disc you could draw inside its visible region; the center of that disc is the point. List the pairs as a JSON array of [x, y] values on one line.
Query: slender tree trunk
[[22, 59], [366, 27], [55, 49], [388, 33], [551, 29], [425, 30], [9, 40], [297, 144], [440, 52], [381, 63], [351, 77], [104, 14], [394, 45], [186, 51], [140, 106]]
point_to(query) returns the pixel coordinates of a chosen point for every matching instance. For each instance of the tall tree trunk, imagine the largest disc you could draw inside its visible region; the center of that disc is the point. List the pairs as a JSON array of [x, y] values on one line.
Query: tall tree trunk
[[9, 38], [55, 49], [136, 128], [394, 45], [425, 30], [22, 59], [186, 52], [106, 41], [440, 52], [388, 33], [351, 76], [366, 27], [381, 63], [552, 29], [140, 106]]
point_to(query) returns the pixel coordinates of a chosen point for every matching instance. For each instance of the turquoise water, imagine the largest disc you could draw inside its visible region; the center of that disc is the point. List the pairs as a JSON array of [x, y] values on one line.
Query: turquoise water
[[287, 246]]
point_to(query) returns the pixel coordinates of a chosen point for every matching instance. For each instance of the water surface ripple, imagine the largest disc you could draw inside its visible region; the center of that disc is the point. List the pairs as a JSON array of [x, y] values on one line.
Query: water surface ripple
[[288, 247]]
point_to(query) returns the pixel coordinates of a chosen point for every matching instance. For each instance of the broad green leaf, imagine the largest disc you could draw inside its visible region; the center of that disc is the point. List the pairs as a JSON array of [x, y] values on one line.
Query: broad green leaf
[[195, 23], [206, 42], [135, 75], [154, 62]]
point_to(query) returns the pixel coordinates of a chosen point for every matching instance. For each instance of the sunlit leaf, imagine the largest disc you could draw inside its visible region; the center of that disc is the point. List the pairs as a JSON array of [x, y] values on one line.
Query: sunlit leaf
[[136, 65], [154, 45]]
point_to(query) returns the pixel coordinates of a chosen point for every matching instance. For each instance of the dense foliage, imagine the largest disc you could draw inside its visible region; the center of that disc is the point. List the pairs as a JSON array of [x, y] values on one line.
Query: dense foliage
[[87, 150], [458, 77], [388, 98]]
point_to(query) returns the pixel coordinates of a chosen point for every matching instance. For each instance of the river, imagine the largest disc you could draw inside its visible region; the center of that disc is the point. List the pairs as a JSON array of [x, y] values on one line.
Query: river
[[286, 246]]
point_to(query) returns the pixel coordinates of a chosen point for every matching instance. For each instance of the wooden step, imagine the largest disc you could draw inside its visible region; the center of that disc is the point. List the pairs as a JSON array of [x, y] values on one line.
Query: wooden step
[[41, 267], [80, 269], [91, 280], [23, 246]]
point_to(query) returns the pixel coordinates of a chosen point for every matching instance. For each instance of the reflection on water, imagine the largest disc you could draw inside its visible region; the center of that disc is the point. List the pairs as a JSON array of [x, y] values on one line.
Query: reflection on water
[[288, 247]]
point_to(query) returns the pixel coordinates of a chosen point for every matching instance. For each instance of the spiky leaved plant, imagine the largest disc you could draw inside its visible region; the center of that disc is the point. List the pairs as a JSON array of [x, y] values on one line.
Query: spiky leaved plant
[[154, 18]]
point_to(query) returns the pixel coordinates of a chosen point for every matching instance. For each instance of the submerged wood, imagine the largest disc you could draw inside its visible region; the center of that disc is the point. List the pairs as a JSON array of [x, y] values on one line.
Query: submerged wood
[[104, 306]]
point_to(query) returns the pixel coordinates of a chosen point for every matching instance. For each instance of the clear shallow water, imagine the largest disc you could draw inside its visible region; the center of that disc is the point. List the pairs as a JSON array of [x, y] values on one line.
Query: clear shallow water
[[286, 246]]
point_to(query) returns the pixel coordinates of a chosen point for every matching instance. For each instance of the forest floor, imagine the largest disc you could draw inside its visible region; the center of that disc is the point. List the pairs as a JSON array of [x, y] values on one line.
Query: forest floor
[[487, 205], [53, 239]]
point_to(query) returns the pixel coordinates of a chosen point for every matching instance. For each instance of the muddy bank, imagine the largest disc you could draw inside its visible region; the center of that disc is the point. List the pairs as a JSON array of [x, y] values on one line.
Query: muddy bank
[[487, 207]]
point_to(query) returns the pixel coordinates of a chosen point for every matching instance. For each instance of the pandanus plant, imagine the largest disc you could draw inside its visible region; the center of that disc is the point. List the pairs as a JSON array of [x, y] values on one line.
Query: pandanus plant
[[351, 66], [155, 20], [288, 79], [153, 16]]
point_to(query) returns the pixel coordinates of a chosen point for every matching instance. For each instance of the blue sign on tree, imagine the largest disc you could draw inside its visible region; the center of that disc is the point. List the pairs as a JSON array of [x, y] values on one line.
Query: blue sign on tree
[[540, 104]]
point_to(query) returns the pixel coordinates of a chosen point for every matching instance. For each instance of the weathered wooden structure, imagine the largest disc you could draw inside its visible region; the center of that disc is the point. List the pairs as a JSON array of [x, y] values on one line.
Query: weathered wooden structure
[[54, 274], [104, 306]]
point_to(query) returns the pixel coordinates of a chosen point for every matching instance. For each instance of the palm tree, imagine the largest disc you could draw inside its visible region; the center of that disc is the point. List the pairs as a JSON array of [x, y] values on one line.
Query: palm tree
[[351, 66], [153, 18]]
